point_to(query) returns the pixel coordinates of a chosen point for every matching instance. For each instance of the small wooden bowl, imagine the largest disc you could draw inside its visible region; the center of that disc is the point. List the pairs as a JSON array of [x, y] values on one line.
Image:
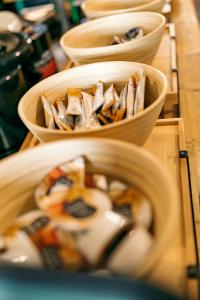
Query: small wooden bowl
[[135, 130], [92, 41], [100, 8], [22, 172]]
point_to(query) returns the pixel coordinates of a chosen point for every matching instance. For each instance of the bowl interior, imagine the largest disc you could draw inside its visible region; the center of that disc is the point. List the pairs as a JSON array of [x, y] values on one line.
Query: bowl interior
[[21, 173], [100, 32], [115, 4], [30, 106]]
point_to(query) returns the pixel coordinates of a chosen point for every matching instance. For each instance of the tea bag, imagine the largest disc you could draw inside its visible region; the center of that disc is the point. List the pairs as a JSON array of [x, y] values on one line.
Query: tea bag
[[94, 121], [133, 34], [56, 118], [74, 102], [61, 107], [99, 96], [66, 121], [122, 107], [88, 101], [108, 98], [49, 119], [130, 99], [87, 105], [116, 103], [140, 93]]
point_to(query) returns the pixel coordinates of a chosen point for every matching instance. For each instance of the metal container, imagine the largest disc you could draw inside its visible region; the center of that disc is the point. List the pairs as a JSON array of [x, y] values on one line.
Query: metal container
[[14, 52]]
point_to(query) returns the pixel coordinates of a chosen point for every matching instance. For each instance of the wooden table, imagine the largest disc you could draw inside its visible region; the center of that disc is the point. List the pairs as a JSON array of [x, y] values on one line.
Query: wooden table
[[188, 51]]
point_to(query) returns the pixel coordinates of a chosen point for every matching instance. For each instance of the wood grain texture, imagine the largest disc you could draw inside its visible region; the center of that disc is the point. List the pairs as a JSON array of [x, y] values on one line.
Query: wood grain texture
[[135, 130], [91, 42], [188, 51], [95, 8]]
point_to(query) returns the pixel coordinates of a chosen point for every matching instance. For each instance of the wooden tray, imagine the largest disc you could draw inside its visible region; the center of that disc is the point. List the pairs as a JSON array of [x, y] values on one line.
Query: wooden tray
[[168, 144], [166, 61]]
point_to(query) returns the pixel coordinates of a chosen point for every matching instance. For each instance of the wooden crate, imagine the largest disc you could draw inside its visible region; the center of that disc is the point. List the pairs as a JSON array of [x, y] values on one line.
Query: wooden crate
[[168, 144]]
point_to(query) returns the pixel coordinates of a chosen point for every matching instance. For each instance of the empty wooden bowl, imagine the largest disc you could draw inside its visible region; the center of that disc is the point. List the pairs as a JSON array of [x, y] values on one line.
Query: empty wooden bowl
[[21, 173], [100, 8], [92, 41], [135, 130]]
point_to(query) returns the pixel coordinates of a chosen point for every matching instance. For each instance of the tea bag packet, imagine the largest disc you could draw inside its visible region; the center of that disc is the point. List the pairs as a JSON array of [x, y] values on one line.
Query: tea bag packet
[[108, 98], [123, 97], [64, 120], [140, 92], [61, 178], [94, 121], [80, 122], [78, 208], [133, 205], [56, 118], [88, 101], [96, 243], [74, 102], [130, 99], [61, 107], [99, 96], [116, 104], [128, 256], [49, 119], [97, 181], [55, 249], [87, 109], [133, 34]]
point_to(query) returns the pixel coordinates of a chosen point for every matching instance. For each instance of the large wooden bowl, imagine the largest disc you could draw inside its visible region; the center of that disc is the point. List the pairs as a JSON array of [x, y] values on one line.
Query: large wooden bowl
[[91, 42], [100, 8], [21, 173], [135, 130]]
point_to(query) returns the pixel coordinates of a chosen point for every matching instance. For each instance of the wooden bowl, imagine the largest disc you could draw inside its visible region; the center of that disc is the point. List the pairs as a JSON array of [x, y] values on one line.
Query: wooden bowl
[[91, 42], [21, 173], [135, 130], [100, 8]]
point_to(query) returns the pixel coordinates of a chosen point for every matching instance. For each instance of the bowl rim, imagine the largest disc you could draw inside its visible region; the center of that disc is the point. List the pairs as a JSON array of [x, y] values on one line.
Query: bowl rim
[[101, 128], [84, 7], [138, 151], [112, 47]]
